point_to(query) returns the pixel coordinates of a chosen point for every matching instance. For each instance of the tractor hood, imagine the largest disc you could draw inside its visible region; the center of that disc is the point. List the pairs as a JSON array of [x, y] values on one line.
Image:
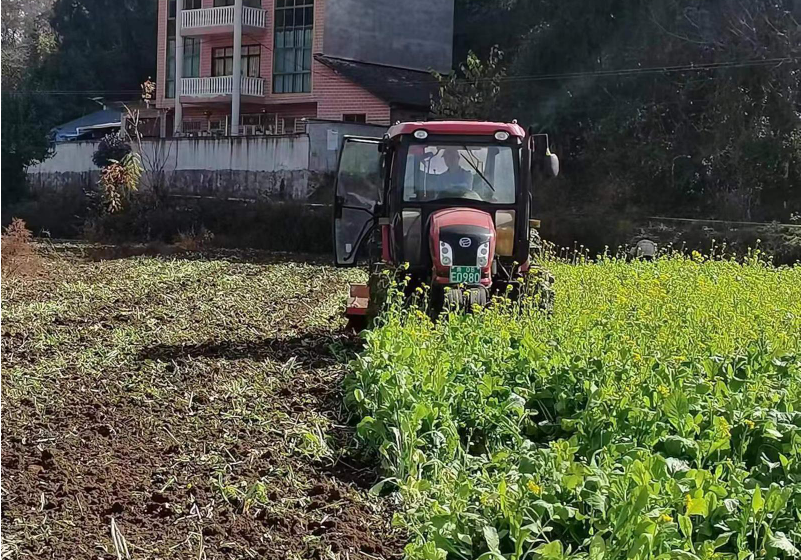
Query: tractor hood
[[461, 237]]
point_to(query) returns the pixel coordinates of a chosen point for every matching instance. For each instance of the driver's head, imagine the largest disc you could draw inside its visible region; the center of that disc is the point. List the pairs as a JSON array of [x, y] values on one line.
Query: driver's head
[[451, 158]]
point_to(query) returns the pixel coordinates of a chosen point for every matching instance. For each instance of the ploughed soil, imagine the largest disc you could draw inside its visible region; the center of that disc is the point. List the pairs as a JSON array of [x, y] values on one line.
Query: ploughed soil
[[163, 407]]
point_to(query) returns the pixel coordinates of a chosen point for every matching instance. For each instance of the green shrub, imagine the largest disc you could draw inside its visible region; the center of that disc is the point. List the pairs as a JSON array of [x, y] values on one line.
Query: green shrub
[[112, 148], [653, 414]]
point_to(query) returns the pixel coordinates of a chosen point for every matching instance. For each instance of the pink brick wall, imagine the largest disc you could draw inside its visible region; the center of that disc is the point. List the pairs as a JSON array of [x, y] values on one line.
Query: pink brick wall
[[337, 96], [331, 96]]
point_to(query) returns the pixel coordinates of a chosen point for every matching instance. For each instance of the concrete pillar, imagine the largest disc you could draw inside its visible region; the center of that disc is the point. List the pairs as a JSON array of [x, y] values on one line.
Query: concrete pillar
[[236, 97], [179, 65]]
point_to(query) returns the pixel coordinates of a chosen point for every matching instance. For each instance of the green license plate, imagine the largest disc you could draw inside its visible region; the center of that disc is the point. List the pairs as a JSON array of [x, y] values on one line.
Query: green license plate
[[465, 275]]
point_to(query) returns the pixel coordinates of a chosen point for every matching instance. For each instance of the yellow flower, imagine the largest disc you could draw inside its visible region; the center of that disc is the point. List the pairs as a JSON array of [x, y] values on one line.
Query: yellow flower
[[664, 391], [749, 423], [534, 487], [723, 427], [665, 518]]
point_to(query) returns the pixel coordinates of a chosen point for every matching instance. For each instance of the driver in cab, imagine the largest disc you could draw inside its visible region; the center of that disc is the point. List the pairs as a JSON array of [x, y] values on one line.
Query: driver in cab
[[455, 181]]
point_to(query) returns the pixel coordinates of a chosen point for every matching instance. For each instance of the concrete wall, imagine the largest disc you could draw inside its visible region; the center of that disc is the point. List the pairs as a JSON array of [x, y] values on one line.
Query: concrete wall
[[409, 33], [273, 167], [299, 167]]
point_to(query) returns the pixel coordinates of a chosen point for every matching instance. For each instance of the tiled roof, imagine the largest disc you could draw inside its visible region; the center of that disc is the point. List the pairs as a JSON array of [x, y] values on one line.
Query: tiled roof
[[397, 86]]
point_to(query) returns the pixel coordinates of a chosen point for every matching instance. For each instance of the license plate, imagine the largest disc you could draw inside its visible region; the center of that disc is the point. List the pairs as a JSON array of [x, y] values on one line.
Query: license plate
[[465, 275]]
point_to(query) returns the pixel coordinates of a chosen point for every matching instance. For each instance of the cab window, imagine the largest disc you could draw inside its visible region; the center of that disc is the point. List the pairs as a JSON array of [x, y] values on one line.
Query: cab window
[[482, 173]]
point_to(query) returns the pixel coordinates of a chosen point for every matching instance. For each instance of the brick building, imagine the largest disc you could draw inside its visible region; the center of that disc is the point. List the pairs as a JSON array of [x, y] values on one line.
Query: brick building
[[343, 60]]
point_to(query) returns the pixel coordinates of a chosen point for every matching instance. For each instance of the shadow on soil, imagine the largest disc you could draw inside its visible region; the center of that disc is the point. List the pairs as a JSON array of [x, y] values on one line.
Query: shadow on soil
[[102, 252], [314, 350]]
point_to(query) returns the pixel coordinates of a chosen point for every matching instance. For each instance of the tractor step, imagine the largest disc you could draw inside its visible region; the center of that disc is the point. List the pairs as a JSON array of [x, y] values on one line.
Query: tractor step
[[358, 300]]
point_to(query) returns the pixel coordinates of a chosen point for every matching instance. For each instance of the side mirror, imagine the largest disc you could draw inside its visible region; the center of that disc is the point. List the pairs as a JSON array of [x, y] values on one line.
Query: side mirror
[[551, 164], [549, 161]]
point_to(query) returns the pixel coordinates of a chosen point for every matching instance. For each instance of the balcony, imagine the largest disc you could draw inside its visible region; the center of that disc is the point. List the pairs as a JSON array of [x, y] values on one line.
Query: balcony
[[208, 21], [220, 86]]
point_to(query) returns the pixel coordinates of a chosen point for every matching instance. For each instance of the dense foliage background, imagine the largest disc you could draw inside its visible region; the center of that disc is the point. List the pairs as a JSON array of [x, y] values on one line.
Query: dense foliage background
[[722, 142], [59, 54]]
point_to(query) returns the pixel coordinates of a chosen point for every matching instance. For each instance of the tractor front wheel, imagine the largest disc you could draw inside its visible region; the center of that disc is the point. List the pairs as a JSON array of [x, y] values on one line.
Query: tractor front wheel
[[445, 298]]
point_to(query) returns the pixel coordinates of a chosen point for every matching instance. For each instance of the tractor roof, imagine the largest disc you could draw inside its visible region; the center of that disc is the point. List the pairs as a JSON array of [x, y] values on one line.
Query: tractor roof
[[477, 128]]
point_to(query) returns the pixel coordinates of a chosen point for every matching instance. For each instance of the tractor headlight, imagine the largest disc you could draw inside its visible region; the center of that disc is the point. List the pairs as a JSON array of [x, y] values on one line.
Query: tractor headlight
[[483, 254], [445, 254]]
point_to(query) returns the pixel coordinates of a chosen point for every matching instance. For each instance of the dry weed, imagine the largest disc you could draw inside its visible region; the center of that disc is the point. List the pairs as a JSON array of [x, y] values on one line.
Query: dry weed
[[19, 254]]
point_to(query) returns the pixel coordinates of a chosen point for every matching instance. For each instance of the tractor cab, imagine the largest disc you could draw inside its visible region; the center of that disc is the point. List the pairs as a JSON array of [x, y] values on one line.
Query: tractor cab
[[451, 198]]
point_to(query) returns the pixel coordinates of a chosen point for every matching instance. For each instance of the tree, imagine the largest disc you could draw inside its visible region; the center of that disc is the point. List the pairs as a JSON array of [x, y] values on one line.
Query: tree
[[105, 45], [80, 46], [25, 140], [112, 148], [472, 92], [716, 142], [118, 180], [26, 39]]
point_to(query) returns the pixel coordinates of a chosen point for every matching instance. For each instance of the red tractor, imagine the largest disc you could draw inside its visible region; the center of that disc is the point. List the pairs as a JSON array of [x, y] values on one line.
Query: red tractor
[[451, 198]]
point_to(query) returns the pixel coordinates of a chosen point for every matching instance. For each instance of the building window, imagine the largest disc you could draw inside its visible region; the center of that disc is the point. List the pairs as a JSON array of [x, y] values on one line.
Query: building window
[[354, 117], [191, 66], [188, 5], [169, 91], [222, 61], [248, 3], [294, 22]]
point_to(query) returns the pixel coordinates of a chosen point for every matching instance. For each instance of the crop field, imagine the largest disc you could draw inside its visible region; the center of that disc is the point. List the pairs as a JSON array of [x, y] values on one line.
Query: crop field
[[656, 413], [180, 407]]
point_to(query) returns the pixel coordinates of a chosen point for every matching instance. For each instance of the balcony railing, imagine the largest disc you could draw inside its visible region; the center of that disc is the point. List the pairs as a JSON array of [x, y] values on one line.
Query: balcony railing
[[252, 86], [207, 87], [221, 16], [207, 17], [254, 17], [220, 85]]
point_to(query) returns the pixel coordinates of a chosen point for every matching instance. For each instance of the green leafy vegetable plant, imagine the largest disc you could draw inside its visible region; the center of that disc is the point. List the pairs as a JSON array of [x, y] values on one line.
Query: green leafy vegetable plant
[[653, 414]]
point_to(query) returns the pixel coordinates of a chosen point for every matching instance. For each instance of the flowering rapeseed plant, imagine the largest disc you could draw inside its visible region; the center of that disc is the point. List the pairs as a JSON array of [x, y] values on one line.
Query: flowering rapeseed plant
[[654, 391]]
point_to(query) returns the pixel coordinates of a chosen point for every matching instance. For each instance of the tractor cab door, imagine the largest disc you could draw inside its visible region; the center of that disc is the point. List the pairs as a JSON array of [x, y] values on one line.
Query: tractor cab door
[[359, 188]]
